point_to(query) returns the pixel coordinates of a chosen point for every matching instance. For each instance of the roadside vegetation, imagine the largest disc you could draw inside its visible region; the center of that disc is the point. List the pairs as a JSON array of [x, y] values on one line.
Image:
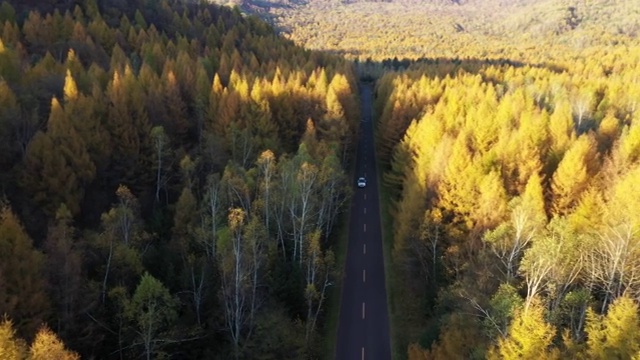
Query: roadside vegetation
[[512, 199], [514, 223]]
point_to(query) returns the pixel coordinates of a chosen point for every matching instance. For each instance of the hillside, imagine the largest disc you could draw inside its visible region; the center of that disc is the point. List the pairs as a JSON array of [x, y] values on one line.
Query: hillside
[[432, 29]]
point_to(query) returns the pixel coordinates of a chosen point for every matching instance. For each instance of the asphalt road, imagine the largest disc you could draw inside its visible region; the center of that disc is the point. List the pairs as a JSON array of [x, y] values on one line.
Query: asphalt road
[[363, 329]]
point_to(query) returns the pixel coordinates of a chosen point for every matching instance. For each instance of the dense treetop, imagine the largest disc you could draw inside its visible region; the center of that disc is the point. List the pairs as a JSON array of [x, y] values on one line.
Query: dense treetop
[[513, 199]]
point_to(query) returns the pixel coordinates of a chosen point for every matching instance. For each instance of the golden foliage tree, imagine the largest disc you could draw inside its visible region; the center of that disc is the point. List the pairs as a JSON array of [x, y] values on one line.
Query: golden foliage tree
[[11, 347], [615, 335], [47, 346], [573, 174], [529, 337]]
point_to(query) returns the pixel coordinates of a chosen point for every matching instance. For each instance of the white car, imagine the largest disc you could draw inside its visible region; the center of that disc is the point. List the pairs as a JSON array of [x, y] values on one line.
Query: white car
[[362, 182]]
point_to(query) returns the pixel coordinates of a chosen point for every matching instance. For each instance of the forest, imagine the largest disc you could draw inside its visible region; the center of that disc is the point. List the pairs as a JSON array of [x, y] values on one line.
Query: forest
[[487, 29], [513, 190], [509, 139], [172, 177]]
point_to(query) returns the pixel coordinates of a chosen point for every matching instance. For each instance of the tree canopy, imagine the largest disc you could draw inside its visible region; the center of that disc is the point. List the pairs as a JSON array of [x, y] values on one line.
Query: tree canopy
[[150, 149]]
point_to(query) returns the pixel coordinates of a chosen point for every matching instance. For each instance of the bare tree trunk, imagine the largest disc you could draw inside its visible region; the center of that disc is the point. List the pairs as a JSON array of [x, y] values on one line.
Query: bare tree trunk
[[237, 302], [434, 252], [198, 291], [257, 235], [617, 262], [159, 146], [267, 166], [326, 284], [295, 227], [212, 207], [246, 148], [535, 278], [106, 272], [312, 264], [234, 274], [160, 139], [307, 176], [283, 203]]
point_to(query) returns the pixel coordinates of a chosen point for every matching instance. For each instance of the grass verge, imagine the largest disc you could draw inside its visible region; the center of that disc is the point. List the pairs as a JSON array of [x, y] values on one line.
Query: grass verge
[[330, 329], [386, 224]]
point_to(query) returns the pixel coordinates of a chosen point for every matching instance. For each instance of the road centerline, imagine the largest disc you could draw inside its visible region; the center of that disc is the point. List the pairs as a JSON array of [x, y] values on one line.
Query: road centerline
[[371, 334]]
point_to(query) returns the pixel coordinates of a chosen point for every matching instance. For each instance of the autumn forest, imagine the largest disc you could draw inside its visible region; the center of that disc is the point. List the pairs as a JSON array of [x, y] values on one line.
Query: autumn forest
[[176, 176], [509, 139], [171, 176]]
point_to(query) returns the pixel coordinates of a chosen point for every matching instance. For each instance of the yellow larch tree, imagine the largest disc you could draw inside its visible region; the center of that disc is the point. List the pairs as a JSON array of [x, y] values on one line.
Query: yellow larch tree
[[561, 130], [573, 174], [608, 132], [615, 335], [70, 88], [11, 347], [629, 147], [412, 201], [47, 346], [530, 337]]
